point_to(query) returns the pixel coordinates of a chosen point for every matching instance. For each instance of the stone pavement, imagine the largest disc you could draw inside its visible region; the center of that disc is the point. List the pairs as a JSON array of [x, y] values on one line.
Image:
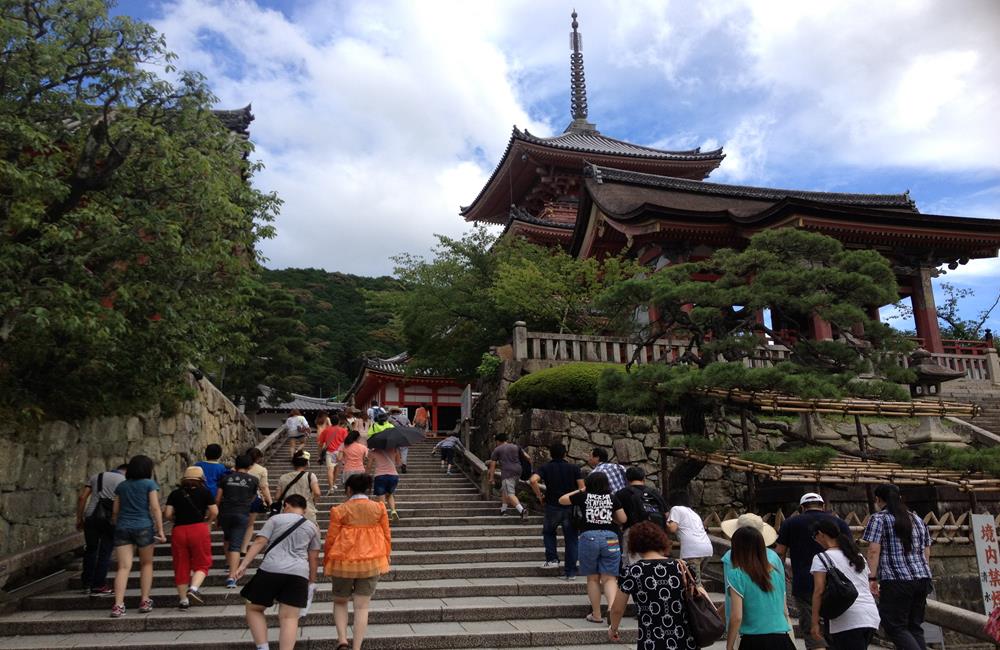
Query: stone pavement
[[462, 577]]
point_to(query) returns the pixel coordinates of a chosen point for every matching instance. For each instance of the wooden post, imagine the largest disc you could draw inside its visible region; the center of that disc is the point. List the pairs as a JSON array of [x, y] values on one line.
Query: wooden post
[[661, 423], [863, 448], [520, 340], [751, 479]]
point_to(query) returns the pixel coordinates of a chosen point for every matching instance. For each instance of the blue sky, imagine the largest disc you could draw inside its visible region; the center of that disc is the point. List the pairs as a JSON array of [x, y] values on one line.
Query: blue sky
[[376, 120]]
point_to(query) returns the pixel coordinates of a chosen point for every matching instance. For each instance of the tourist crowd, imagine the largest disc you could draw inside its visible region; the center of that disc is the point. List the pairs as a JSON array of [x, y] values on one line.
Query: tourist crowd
[[616, 532]]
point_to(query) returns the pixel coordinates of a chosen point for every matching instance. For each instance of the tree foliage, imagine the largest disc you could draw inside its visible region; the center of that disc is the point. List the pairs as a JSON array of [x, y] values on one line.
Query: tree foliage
[[467, 298], [128, 224], [953, 325], [795, 275]]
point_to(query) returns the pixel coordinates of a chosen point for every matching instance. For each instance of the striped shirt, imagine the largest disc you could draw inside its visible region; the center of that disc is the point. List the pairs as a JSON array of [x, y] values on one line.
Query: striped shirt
[[894, 563]]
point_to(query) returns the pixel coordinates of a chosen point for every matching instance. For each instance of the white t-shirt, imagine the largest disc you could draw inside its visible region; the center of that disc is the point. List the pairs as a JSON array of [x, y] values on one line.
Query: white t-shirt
[[691, 530], [296, 426], [864, 612]]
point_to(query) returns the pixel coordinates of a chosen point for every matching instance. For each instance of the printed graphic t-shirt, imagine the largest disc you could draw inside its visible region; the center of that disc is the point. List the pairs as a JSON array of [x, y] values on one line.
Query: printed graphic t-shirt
[[598, 510], [239, 489]]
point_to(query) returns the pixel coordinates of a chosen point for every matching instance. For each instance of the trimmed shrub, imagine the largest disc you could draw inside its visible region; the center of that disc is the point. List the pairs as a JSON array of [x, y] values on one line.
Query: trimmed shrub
[[567, 387]]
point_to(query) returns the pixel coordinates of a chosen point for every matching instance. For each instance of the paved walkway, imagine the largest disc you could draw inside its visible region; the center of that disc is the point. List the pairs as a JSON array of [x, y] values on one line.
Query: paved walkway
[[462, 577]]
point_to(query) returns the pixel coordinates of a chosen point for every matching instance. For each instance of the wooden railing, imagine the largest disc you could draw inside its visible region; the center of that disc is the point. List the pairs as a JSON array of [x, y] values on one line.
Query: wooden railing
[[978, 362]]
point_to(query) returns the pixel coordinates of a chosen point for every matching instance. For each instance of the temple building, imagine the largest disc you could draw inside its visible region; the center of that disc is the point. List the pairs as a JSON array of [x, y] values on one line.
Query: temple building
[[595, 195]]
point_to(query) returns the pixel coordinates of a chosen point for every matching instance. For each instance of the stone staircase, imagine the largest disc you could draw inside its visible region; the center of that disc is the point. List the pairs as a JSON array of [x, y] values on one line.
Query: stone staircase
[[462, 577], [978, 392]]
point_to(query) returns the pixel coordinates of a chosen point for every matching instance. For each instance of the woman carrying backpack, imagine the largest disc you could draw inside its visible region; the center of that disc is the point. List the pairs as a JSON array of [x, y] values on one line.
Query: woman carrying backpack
[[853, 629]]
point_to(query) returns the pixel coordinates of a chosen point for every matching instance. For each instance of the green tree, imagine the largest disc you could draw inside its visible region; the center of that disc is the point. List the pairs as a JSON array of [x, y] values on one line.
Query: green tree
[[129, 223], [454, 307]]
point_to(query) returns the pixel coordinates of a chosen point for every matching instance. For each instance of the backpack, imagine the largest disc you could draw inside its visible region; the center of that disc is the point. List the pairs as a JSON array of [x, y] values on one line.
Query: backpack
[[104, 510], [652, 508]]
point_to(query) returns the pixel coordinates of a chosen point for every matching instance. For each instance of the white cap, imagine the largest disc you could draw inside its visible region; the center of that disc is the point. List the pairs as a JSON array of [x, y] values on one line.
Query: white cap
[[810, 497]]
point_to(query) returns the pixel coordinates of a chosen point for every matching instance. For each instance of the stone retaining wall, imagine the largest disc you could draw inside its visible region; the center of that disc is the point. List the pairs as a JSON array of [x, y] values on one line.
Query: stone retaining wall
[[42, 470]]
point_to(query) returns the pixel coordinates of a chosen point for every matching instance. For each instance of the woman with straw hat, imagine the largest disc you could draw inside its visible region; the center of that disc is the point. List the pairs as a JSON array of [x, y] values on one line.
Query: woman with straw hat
[[192, 509], [756, 612]]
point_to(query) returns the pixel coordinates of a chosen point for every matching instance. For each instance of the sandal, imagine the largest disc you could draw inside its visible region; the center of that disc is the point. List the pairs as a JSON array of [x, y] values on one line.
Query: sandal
[[343, 646], [590, 617]]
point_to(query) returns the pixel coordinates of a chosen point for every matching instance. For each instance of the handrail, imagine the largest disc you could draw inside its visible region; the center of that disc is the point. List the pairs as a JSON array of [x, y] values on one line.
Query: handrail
[[478, 469], [12, 564]]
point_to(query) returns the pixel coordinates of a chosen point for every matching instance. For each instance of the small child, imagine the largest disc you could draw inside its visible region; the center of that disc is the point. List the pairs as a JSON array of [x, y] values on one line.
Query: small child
[[213, 467], [447, 448]]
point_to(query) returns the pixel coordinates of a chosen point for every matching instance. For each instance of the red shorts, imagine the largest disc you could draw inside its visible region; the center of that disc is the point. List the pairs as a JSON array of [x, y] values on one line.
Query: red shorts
[[191, 549]]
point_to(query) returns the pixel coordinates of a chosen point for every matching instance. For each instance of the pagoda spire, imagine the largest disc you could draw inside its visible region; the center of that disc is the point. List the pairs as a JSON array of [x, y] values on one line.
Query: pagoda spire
[[578, 83]]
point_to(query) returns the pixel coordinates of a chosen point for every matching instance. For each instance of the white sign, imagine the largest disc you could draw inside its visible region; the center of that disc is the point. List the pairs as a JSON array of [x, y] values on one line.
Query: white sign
[[984, 532]]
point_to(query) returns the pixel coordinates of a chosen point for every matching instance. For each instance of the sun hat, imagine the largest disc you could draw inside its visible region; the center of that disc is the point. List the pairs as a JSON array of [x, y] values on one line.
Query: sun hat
[[751, 520], [810, 497], [194, 472]]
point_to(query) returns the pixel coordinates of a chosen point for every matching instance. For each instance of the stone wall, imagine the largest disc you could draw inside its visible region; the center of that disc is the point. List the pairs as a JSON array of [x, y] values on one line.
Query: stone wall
[[42, 469]]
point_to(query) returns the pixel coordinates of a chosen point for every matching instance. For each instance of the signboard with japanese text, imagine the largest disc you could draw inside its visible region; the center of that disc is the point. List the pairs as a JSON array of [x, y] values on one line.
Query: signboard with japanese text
[[984, 533]]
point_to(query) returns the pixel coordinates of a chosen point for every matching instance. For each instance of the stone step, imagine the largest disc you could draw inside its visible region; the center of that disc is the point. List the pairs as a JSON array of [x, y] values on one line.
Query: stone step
[[231, 615], [520, 632], [511, 525], [402, 557], [165, 578], [423, 544], [445, 588]]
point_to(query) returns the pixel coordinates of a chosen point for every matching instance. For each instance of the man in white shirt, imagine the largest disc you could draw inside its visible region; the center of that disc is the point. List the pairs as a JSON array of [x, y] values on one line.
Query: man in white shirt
[[297, 427]]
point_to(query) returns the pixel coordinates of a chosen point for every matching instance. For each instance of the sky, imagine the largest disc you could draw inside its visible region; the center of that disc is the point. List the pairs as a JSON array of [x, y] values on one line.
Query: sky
[[376, 120]]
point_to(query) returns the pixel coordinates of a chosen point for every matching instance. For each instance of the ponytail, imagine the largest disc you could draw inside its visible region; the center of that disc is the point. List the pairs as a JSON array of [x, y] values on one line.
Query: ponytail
[[903, 523]]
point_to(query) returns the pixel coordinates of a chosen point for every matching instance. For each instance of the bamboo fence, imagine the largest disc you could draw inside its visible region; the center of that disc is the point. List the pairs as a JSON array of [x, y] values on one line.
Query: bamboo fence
[[777, 402], [845, 470]]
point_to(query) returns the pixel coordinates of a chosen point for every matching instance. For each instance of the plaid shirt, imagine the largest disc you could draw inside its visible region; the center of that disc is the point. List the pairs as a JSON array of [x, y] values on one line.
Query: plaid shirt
[[894, 563], [615, 474]]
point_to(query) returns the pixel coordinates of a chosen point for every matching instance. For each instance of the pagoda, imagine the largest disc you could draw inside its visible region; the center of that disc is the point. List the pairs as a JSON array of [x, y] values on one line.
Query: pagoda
[[535, 190], [596, 196]]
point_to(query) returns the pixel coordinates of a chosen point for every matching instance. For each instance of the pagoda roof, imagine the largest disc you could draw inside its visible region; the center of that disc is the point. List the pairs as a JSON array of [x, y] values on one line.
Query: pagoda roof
[[536, 229], [375, 370], [517, 173], [304, 403], [636, 205], [236, 120]]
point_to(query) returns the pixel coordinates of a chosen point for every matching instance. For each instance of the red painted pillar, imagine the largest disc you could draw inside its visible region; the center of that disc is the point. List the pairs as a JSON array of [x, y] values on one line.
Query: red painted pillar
[[434, 408], [819, 329], [925, 311]]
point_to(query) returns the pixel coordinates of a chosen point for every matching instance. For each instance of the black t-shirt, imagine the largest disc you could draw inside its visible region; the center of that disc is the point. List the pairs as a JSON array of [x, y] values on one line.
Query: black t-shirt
[[190, 508], [598, 511], [239, 489], [796, 533], [630, 497], [559, 478]]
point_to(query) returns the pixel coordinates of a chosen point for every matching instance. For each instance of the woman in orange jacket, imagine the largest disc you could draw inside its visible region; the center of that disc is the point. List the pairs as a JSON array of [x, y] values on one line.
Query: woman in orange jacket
[[358, 544]]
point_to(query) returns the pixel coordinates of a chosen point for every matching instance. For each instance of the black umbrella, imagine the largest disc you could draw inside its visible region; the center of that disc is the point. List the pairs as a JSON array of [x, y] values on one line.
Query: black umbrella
[[395, 437]]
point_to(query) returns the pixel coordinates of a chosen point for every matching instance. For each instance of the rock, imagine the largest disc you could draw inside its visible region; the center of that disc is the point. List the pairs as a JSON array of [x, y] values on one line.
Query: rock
[[880, 430], [600, 439], [639, 424], [629, 450], [578, 432], [579, 450], [846, 430], [544, 438], [11, 458], [615, 424], [549, 420], [885, 444], [587, 420], [133, 429]]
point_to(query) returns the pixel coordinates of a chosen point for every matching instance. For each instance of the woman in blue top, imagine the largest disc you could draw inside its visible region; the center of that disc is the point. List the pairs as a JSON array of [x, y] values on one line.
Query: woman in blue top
[[138, 524], [757, 613]]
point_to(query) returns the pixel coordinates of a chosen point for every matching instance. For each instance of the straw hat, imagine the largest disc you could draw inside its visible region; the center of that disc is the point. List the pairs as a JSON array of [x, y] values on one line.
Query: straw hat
[[729, 527], [194, 472]]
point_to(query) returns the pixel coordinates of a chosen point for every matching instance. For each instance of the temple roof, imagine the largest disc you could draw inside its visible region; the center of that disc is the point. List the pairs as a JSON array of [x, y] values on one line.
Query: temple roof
[[236, 120], [303, 403], [594, 142], [518, 214], [747, 192]]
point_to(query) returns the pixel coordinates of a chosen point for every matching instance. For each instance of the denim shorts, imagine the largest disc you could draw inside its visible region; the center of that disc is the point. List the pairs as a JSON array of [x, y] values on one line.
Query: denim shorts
[[599, 552], [385, 484], [234, 527], [140, 537]]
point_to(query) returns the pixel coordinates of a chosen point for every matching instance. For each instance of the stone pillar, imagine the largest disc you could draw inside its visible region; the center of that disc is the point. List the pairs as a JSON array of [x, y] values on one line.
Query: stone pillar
[[819, 329], [520, 340], [814, 427], [930, 431], [993, 365], [925, 311]]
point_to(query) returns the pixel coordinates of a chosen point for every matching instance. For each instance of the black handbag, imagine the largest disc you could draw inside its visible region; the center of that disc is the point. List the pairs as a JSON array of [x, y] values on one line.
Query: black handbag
[[525, 465], [103, 513], [839, 593], [706, 623], [275, 507]]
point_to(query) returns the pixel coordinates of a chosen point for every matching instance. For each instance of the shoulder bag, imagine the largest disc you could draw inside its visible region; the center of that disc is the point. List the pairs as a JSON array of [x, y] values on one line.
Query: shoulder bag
[[277, 540], [275, 507], [839, 593], [104, 508], [525, 464], [706, 623]]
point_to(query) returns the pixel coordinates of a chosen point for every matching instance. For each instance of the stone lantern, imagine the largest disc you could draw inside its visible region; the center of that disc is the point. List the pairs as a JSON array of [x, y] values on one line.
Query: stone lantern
[[930, 374]]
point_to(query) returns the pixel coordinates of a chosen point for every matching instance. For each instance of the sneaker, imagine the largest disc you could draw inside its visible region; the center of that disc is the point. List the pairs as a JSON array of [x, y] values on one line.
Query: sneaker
[[146, 606], [393, 515], [331, 492], [551, 564], [102, 591], [117, 611], [195, 595], [524, 514], [568, 578], [503, 512], [402, 468], [231, 583], [184, 605]]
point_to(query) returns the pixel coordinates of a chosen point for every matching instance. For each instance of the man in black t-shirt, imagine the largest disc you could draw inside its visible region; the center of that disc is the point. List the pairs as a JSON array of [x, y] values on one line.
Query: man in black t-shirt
[[235, 496], [559, 478], [631, 498], [795, 537]]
